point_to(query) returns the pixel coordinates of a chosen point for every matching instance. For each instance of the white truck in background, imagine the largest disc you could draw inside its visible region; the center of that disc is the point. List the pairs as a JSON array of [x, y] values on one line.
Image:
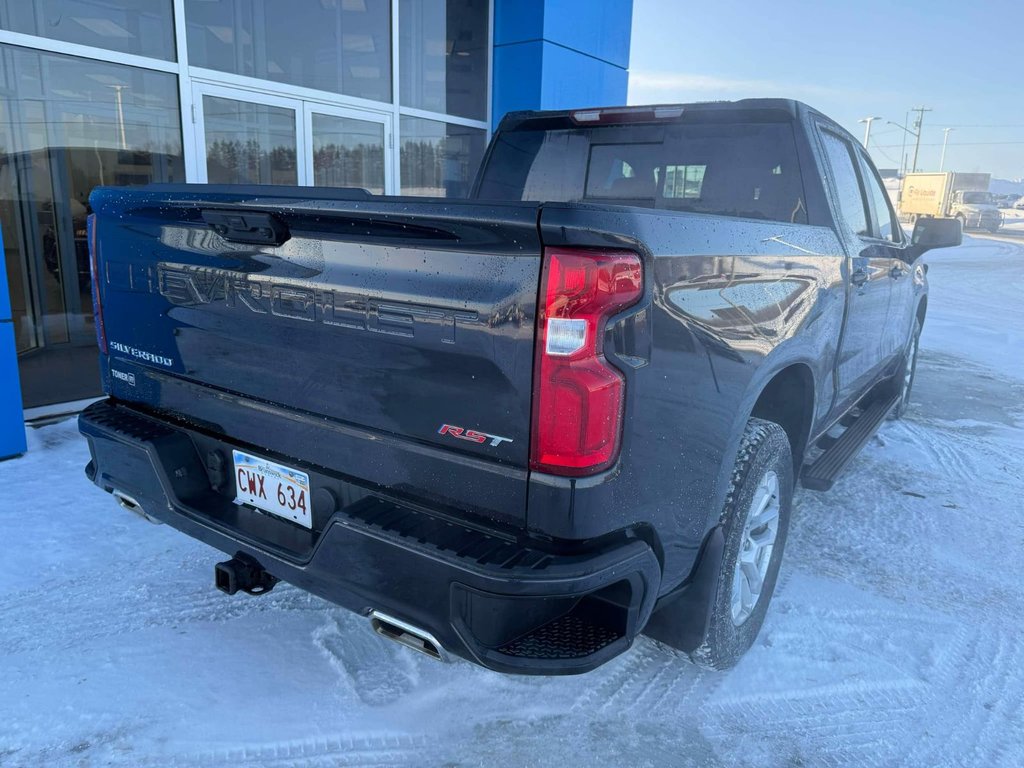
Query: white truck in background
[[963, 196]]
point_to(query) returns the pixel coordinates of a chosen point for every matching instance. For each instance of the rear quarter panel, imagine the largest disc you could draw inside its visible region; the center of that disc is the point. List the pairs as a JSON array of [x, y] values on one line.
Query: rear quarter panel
[[729, 303]]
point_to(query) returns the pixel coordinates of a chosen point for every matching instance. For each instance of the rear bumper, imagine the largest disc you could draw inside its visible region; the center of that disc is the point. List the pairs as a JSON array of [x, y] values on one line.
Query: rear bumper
[[509, 604]]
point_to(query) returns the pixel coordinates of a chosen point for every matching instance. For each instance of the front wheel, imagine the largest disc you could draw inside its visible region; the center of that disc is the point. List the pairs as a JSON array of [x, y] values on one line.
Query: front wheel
[[908, 370], [755, 521]]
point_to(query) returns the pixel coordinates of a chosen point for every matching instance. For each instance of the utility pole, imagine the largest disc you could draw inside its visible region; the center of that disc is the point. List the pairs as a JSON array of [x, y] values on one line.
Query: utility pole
[[867, 128], [903, 149], [945, 139], [917, 124]]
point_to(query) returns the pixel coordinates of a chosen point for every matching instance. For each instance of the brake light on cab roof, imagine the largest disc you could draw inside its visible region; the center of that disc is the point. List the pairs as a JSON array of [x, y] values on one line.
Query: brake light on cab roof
[[626, 114]]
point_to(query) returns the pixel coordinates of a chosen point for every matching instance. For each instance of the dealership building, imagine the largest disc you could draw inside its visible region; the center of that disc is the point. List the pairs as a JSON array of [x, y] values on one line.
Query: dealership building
[[394, 96]]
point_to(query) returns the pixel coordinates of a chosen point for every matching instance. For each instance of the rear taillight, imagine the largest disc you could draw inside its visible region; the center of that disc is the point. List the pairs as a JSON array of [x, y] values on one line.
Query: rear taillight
[[577, 395], [94, 274]]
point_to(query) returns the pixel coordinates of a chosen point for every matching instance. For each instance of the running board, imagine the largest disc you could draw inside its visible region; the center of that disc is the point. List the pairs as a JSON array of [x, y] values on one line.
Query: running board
[[826, 469]]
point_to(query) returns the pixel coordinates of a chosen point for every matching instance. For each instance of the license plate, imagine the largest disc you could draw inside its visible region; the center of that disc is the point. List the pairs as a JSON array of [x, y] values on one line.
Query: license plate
[[272, 487]]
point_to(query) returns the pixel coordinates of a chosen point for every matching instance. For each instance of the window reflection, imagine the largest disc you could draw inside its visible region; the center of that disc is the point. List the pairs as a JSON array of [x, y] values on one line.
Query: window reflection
[[343, 46], [249, 143], [67, 125], [443, 56], [142, 27], [439, 159], [348, 153]]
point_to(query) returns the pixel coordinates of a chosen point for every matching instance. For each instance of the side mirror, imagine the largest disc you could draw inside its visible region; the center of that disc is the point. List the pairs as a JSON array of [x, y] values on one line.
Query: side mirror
[[936, 233]]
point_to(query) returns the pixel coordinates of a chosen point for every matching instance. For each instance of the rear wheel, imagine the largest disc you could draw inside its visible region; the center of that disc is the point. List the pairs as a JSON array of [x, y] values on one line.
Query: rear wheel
[[755, 522]]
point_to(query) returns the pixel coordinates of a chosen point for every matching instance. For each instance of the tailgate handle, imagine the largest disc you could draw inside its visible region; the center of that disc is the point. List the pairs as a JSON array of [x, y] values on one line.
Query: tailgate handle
[[247, 227]]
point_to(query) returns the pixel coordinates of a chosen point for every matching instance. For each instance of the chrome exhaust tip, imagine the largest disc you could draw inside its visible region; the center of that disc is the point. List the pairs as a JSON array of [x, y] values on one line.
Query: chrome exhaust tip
[[406, 634], [132, 505]]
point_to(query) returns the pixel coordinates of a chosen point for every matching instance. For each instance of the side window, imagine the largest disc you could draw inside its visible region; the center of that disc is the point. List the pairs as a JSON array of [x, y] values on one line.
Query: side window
[[885, 223], [847, 185]]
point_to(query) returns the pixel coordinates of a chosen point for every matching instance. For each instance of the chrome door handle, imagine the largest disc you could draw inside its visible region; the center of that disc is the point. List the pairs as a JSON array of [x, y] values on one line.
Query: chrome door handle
[[897, 271]]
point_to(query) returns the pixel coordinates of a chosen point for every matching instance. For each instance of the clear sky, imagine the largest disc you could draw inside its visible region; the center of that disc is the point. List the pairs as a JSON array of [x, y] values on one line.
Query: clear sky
[[963, 58]]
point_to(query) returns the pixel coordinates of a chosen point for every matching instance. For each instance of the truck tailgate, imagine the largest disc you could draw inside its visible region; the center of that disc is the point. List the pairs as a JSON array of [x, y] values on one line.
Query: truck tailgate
[[393, 316]]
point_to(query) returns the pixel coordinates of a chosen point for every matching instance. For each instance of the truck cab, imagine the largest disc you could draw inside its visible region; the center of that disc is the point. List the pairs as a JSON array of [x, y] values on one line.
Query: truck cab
[[975, 209]]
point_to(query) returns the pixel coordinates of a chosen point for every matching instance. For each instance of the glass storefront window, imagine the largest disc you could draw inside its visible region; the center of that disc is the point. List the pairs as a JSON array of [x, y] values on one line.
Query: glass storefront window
[[439, 159], [343, 46], [67, 125], [142, 27], [348, 152], [249, 143], [443, 56]]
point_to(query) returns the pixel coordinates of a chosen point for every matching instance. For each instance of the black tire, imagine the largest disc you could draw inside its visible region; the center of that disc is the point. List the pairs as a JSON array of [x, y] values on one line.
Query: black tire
[[903, 381], [764, 448]]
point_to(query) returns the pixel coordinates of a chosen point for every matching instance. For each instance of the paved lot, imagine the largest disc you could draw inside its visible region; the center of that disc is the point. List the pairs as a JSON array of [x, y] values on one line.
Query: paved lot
[[896, 637]]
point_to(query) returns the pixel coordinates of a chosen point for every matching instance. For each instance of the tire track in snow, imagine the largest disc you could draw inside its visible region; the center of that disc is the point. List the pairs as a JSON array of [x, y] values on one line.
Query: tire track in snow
[[348, 749], [858, 720], [945, 454], [378, 671], [81, 610], [624, 671], [980, 726]]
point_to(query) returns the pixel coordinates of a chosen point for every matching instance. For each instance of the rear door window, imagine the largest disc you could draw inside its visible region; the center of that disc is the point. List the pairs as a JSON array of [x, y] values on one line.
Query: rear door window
[[747, 170], [846, 184]]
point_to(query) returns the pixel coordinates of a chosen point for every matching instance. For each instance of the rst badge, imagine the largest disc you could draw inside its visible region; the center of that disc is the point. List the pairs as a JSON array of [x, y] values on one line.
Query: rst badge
[[472, 435]]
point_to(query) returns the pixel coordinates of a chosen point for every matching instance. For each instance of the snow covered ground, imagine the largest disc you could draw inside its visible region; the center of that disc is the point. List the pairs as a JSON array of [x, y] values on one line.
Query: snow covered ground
[[896, 637], [1013, 220]]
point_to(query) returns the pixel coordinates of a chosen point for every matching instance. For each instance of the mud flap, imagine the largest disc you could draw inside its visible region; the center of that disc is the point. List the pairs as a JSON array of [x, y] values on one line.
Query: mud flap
[[682, 619]]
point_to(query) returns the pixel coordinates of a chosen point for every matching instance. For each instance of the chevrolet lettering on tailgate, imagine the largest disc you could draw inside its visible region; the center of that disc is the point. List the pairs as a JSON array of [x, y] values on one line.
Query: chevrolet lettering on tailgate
[[189, 285]]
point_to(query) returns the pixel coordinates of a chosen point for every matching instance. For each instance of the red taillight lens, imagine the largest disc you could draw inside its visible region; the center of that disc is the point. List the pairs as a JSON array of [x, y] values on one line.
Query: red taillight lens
[[94, 274], [577, 395]]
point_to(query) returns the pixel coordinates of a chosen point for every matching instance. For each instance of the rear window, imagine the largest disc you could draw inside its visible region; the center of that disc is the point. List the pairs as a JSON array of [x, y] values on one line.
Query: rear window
[[748, 170]]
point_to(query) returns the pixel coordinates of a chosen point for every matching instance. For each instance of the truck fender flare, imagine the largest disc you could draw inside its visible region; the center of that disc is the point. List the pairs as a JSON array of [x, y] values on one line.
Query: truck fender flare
[[764, 374]]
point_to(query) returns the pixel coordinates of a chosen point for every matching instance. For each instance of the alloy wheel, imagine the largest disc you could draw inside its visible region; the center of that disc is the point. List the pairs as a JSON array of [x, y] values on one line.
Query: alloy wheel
[[756, 545]]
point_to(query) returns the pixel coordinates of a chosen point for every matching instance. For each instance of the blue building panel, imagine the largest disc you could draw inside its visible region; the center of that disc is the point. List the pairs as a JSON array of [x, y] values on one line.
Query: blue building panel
[[590, 82], [598, 28], [12, 422], [560, 54], [521, 81], [518, 21]]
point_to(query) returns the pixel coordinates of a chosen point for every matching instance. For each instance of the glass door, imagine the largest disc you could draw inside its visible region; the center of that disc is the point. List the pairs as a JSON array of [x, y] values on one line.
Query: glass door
[[349, 148], [255, 138]]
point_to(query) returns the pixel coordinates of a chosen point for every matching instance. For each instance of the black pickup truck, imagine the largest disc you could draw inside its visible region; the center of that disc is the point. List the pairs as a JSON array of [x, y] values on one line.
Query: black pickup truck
[[525, 427]]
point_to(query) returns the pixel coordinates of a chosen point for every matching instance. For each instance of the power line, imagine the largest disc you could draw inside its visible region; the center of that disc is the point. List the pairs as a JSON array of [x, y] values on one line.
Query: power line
[[884, 154], [1018, 125], [959, 144]]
